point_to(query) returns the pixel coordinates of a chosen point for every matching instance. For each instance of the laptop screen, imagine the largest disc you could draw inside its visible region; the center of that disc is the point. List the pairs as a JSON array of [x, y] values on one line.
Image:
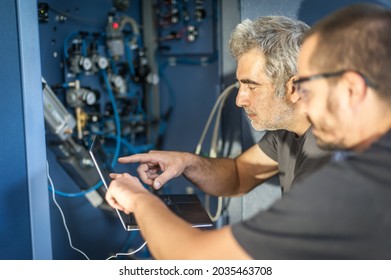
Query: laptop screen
[[101, 160]]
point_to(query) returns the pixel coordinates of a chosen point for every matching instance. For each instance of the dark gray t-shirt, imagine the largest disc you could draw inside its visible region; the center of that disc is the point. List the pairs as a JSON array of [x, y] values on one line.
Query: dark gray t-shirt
[[342, 211], [297, 157]]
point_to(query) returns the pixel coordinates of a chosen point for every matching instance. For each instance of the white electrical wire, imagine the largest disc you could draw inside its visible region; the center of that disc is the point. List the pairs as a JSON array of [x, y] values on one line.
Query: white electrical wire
[[213, 153], [128, 254], [135, 29], [62, 214], [219, 99], [214, 143], [67, 230], [215, 134]]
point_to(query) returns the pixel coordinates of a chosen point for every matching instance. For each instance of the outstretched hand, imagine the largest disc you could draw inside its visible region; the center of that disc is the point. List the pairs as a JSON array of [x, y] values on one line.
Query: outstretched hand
[[157, 167]]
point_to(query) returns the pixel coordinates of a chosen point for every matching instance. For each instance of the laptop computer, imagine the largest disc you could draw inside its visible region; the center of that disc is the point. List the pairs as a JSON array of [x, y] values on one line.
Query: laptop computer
[[186, 206]]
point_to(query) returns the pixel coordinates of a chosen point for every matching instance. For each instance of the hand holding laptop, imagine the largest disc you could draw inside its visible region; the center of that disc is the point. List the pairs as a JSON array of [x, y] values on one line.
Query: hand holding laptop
[[123, 191]]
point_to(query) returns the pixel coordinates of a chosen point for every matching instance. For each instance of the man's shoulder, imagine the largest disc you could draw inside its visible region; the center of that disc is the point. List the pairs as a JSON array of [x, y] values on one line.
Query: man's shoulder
[[275, 138], [353, 169], [280, 134], [311, 148]]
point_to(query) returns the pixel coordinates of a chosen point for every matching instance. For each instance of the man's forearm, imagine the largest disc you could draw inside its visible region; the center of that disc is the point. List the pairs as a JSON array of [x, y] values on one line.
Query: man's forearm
[[164, 230], [170, 237], [215, 176]]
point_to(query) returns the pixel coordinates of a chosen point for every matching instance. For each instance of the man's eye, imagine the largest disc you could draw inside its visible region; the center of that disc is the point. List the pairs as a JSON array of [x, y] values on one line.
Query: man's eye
[[251, 87]]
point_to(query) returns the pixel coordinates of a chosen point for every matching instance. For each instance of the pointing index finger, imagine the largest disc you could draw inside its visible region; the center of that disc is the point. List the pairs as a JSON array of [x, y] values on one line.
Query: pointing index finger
[[142, 158]]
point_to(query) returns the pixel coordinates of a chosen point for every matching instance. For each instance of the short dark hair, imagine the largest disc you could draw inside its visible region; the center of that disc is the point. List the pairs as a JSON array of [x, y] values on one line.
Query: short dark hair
[[357, 37]]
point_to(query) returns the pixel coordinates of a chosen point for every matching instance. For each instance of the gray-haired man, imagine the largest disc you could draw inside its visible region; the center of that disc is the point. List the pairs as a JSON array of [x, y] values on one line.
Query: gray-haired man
[[266, 51]]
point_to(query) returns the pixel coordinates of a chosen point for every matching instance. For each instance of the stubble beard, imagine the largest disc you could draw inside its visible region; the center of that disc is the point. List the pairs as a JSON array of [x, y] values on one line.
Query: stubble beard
[[284, 119]]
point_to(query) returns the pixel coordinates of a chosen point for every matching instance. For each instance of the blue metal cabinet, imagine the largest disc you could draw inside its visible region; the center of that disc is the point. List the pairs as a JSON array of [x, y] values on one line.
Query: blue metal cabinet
[[24, 208]]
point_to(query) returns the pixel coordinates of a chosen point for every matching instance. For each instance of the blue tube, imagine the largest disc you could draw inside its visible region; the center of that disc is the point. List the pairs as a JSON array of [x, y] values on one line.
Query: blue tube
[[78, 194], [66, 55], [116, 118], [129, 58]]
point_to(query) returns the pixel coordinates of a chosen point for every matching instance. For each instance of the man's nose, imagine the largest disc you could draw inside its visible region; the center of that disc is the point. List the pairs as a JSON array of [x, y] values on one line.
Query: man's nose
[[242, 98]]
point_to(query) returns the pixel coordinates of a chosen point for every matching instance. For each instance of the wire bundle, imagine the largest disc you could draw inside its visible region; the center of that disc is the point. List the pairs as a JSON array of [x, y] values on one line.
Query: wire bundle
[[218, 107]]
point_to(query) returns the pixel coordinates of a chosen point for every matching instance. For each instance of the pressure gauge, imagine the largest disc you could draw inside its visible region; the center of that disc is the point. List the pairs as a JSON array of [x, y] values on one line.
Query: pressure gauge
[[90, 97], [102, 62], [86, 63]]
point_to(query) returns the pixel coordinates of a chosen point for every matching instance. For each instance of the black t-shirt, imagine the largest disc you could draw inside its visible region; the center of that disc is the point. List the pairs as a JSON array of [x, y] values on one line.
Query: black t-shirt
[[342, 211], [297, 157]]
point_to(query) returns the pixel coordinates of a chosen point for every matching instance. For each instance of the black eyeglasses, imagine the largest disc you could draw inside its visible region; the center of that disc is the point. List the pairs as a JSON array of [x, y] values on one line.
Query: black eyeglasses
[[297, 83]]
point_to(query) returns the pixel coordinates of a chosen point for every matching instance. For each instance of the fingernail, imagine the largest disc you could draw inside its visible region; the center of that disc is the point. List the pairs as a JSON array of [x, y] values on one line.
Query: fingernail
[[157, 185]]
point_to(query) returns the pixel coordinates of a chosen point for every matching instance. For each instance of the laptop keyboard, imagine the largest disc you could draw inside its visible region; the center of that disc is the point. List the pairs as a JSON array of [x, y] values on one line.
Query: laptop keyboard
[[130, 219], [186, 207], [166, 199]]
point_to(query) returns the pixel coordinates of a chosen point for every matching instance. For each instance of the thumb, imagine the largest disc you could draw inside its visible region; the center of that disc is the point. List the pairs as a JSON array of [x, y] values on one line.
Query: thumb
[[158, 183], [161, 180]]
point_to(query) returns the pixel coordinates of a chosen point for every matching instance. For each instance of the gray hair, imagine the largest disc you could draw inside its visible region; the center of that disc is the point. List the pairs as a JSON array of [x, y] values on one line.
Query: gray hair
[[279, 38]]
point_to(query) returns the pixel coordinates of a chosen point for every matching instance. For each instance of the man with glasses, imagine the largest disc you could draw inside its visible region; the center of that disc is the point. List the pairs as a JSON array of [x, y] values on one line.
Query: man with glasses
[[341, 211]]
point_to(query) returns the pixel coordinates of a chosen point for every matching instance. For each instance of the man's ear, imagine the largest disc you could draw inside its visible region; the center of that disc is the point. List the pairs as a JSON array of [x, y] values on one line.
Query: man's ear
[[291, 91], [357, 87]]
